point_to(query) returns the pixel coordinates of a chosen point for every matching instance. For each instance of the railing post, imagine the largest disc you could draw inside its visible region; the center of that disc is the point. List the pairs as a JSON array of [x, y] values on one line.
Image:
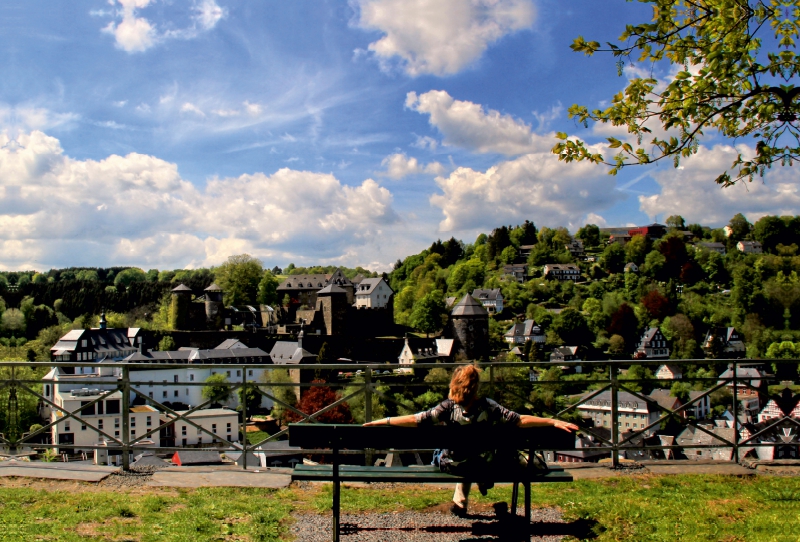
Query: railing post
[[245, 443], [491, 381], [614, 416], [368, 395], [125, 387], [734, 368], [368, 410]]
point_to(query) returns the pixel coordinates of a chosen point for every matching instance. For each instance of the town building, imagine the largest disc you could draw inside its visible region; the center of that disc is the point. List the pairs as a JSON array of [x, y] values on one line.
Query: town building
[[424, 351], [560, 271], [96, 345], [373, 293], [719, 248], [521, 333], [492, 300], [724, 343], [302, 290], [634, 414], [651, 231], [669, 372], [517, 271], [215, 424], [653, 345], [564, 353], [692, 437], [575, 248], [750, 247]]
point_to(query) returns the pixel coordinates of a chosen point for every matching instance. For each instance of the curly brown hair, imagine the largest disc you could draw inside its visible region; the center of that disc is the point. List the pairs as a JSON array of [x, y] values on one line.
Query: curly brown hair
[[465, 383]]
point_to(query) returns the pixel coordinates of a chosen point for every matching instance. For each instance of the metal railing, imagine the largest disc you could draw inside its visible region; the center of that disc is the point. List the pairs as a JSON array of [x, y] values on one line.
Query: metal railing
[[369, 387]]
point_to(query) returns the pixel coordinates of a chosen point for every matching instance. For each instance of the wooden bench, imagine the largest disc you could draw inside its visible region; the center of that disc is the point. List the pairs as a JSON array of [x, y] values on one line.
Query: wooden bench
[[476, 438]]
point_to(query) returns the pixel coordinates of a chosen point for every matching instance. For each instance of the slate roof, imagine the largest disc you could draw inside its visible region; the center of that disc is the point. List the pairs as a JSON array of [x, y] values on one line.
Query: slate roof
[[664, 399], [289, 353], [745, 373], [489, 295], [469, 306], [213, 288], [227, 344], [229, 355], [102, 341], [181, 288], [331, 289]]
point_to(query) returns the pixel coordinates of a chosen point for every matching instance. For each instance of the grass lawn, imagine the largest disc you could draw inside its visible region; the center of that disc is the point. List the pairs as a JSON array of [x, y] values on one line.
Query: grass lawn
[[633, 508]]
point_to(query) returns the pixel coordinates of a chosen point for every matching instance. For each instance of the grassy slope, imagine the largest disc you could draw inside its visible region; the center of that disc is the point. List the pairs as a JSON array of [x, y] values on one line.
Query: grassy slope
[[627, 508]]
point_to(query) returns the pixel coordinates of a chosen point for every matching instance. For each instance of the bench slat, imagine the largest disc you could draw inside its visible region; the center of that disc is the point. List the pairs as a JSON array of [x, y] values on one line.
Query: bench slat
[[476, 437], [419, 474]]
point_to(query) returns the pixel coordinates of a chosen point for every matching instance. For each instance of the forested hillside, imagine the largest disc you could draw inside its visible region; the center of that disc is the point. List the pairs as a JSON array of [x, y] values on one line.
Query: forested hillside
[[681, 286]]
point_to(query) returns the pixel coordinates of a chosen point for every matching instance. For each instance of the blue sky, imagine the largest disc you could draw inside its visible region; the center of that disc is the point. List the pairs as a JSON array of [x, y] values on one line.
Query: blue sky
[[175, 133]]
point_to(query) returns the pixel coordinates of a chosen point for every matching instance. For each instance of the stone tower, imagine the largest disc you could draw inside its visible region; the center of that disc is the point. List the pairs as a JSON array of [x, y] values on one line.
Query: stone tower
[[179, 309], [214, 306], [469, 323], [332, 302]]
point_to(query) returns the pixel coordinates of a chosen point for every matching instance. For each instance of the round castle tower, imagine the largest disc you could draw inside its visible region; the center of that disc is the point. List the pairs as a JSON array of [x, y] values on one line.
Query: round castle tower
[[179, 311], [214, 306], [469, 322]]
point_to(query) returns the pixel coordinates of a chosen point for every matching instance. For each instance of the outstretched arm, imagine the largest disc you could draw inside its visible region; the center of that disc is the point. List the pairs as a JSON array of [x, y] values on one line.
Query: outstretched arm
[[534, 421], [400, 421]]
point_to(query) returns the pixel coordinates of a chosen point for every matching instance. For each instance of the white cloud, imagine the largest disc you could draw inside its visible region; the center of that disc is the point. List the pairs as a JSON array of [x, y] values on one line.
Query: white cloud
[[137, 210], [226, 112], [440, 37], [189, 107], [425, 142], [399, 165], [134, 34], [691, 192], [253, 109], [534, 187], [466, 124]]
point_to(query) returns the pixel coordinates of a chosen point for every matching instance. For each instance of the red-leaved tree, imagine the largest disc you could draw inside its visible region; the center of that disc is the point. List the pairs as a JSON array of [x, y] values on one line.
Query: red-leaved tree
[[657, 305], [317, 398]]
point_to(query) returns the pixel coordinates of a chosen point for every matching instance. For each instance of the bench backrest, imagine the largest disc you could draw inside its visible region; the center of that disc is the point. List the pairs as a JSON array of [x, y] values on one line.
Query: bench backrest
[[474, 437]]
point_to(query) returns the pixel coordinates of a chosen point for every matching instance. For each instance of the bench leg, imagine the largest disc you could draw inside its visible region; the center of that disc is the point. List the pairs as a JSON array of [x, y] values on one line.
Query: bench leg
[[336, 490], [514, 498], [527, 510]]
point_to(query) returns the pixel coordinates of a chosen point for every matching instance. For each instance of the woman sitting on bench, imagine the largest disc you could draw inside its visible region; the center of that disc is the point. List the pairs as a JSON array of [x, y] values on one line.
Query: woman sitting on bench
[[464, 407]]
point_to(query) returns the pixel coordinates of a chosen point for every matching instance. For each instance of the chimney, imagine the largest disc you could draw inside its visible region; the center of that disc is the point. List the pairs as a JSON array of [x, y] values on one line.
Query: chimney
[[103, 323]]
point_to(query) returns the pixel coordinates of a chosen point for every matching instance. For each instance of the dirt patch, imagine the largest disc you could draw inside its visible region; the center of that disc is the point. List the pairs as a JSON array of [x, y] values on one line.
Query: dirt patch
[[70, 486]]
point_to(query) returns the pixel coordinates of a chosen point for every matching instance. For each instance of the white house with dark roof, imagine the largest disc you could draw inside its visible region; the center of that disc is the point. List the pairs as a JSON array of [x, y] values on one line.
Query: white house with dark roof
[[730, 343], [668, 372], [492, 300], [750, 247], [423, 351], [517, 271], [373, 293], [634, 413], [719, 248], [653, 344], [561, 271], [97, 344], [521, 333], [575, 248]]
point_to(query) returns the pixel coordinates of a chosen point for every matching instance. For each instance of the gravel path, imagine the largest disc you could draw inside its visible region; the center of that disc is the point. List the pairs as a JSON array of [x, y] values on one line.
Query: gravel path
[[426, 527], [137, 477]]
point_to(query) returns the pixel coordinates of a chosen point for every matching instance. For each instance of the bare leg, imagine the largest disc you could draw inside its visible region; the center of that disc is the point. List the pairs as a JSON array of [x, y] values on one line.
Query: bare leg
[[461, 495]]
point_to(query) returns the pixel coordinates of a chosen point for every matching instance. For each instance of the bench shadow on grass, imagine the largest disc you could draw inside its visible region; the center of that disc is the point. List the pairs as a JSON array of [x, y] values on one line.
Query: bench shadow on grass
[[508, 528]]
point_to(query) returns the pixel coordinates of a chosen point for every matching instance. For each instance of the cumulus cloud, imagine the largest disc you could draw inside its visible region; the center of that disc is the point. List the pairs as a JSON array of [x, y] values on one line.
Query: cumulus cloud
[[440, 37], [467, 125], [399, 165], [137, 210], [189, 107], [690, 190], [535, 187], [134, 33]]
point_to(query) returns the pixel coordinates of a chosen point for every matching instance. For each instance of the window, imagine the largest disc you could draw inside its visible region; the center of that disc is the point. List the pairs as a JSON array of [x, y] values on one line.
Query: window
[[228, 427], [150, 395], [183, 430], [164, 394], [133, 432], [83, 343], [100, 423], [229, 373], [191, 378], [149, 421], [100, 407], [213, 428], [187, 392], [199, 431], [199, 440], [175, 393], [116, 423], [133, 421], [112, 407], [83, 427], [116, 434], [238, 373], [174, 378], [183, 442], [250, 372]]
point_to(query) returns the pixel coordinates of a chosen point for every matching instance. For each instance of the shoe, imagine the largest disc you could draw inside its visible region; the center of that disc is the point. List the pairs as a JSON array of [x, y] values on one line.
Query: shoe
[[484, 488], [458, 511]]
